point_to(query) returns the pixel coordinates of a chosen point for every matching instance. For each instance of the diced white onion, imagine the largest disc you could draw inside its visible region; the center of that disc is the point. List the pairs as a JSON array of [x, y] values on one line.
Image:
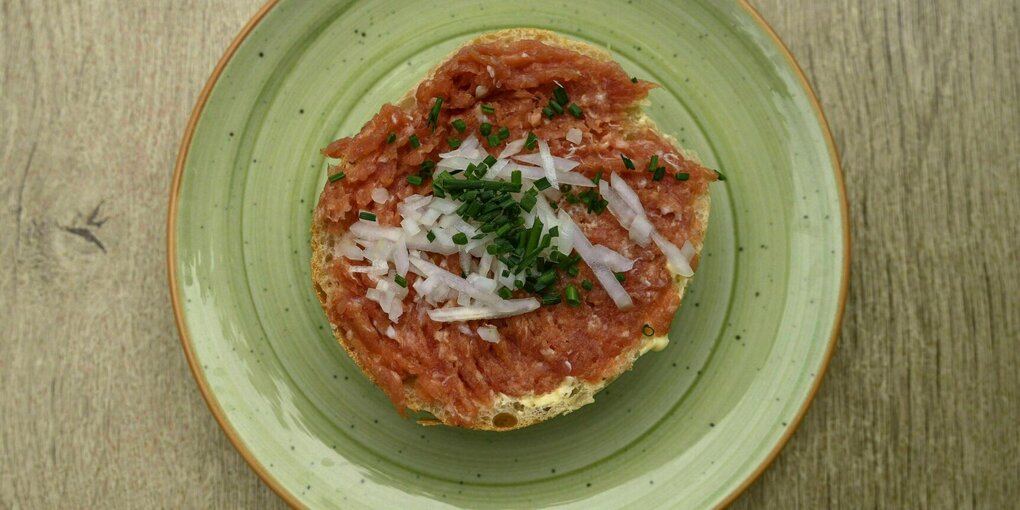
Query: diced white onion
[[347, 249], [372, 230], [512, 149], [627, 194], [410, 226], [640, 230], [547, 164], [479, 312], [598, 261], [444, 205], [574, 136], [611, 259], [674, 256], [380, 195], [533, 173], [400, 258], [489, 333], [562, 164], [687, 250]]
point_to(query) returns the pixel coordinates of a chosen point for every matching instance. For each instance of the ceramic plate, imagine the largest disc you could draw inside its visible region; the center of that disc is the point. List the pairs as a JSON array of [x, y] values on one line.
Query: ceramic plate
[[691, 426]]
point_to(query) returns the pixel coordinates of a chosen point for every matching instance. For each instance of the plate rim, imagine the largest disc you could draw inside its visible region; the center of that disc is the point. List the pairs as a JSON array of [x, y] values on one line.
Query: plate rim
[[260, 469]]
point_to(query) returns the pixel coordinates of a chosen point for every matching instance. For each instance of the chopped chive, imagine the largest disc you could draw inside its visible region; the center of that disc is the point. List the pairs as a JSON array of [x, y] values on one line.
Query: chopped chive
[[528, 202], [575, 111], [561, 95], [489, 160], [515, 177], [557, 107], [627, 162], [504, 133], [415, 143], [531, 141], [431, 236], [392, 138], [337, 176], [586, 285], [460, 238], [505, 293], [488, 108], [647, 330], [485, 128], [620, 277], [438, 190], [548, 112], [571, 198], [682, 176], [720, 175], [367, 216], [598, 177], [659, 172], [457, 184], [633, 79], [543, 184], [459, 125], [453, 142], [573, 298], [573, 270], [551, 299], [493, 140], [414, 180], [427, 166], [400, 280], [653, 163], [434, 114]]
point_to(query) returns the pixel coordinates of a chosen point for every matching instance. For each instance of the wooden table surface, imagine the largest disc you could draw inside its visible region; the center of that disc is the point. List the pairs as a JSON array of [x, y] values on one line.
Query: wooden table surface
[[921, 405]]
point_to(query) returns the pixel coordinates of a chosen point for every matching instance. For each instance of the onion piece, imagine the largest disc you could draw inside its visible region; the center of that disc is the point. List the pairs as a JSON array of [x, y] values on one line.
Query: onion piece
[[512, 148], [410, 226], [612, 260], [640, 230], [371, 230], [489, 333], [562, 164], [574, 136], [688, 251], [380, 195], [616, 291], [678, 263], [547, 164], [627, 194], [348, 250], [598, 261], [496, 170], [400, 257], [468, 149], [533, 173], [457, 163], [478, 312], [565, 242], [457, 283]]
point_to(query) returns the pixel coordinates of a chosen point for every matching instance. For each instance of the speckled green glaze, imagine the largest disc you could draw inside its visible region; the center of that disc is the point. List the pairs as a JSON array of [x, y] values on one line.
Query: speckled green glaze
[[685, 428]]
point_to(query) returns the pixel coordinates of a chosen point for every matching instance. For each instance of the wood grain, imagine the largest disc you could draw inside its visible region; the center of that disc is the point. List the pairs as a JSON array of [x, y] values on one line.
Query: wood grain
[[919, 409]]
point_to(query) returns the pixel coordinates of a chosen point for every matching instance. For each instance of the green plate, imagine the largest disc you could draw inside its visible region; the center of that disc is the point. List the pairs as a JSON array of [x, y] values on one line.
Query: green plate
[[691, 426]]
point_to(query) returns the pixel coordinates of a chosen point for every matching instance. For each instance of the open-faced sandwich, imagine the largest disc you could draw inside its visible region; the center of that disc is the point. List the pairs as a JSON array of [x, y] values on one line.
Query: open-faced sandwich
[[508, 238]]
